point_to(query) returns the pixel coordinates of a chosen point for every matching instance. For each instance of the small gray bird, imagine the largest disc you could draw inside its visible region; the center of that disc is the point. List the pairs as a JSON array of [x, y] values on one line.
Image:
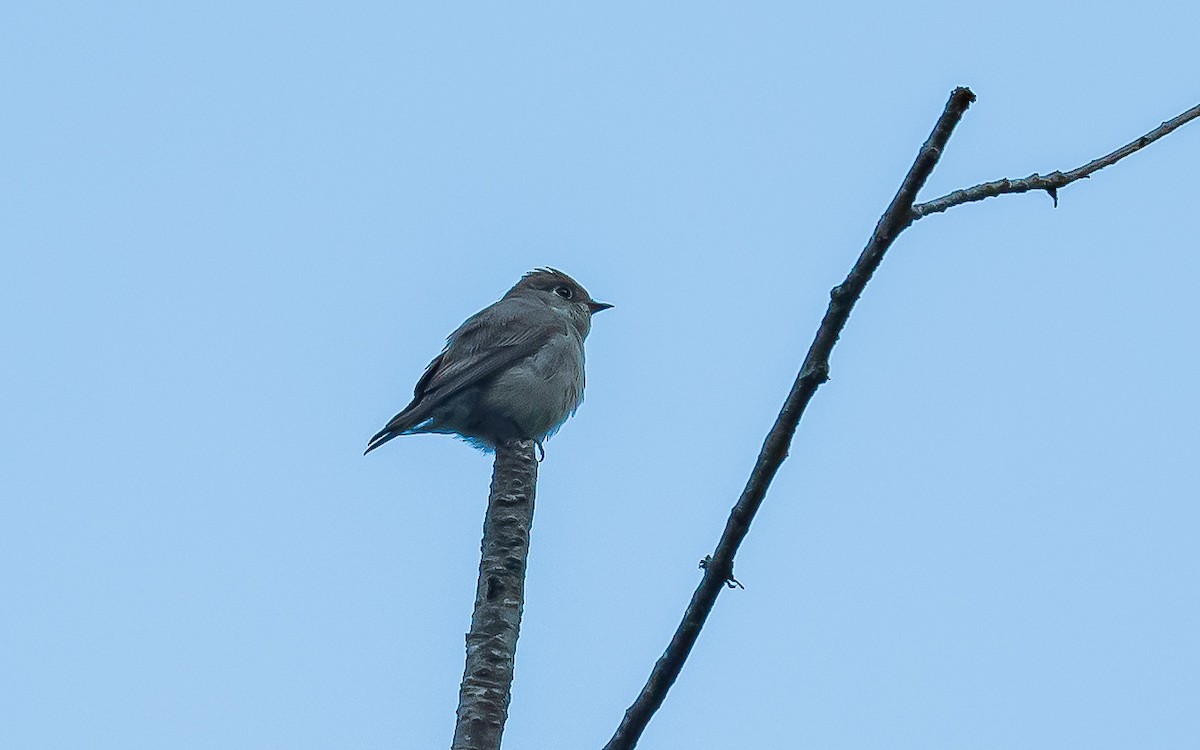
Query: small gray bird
[[513, 370]]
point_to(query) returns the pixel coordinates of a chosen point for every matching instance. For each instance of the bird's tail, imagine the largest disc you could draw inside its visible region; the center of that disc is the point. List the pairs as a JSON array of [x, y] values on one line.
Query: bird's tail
[[405, 423], [379, 439]]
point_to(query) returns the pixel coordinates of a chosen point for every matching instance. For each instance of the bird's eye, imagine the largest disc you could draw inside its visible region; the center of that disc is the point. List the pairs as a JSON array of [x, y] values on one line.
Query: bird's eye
[[563, 292]]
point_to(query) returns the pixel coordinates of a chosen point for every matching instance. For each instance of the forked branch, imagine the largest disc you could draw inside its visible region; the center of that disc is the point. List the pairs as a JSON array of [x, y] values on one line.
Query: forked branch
[[900, 214]]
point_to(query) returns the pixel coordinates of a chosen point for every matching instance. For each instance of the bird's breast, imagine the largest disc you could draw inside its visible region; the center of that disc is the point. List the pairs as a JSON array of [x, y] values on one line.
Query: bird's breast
[[539, 392]]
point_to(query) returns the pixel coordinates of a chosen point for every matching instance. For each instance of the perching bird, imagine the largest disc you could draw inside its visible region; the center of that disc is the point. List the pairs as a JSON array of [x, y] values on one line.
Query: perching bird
[[513, 370]]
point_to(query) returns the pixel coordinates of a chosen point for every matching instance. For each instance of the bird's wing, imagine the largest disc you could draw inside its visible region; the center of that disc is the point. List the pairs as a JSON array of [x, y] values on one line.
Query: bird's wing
[[485, 344]]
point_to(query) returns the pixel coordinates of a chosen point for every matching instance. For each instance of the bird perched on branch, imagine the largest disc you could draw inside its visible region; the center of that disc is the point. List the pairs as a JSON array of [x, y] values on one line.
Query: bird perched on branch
[[513, 370]]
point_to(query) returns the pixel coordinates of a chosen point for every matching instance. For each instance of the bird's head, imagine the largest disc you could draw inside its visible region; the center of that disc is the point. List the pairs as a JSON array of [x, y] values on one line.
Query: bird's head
[[562, 293]]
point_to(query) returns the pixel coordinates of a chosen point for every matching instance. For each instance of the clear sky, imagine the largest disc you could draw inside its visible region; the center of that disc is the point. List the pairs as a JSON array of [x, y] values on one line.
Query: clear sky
[[233, 235]]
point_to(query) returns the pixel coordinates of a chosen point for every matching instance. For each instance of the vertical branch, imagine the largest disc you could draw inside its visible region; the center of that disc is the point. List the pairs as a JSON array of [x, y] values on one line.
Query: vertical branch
[[492, 643]]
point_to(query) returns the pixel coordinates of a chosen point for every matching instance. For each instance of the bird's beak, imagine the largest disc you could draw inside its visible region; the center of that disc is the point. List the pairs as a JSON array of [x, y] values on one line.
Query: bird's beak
[[595, 307]]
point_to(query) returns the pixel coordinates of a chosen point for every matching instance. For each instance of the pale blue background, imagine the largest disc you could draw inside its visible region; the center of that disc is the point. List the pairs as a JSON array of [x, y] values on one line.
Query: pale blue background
[[234, 234]]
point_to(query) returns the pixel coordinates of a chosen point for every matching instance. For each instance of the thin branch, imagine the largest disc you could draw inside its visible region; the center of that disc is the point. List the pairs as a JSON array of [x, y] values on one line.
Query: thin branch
[[718, 569], [499, 598], [1052, 182]]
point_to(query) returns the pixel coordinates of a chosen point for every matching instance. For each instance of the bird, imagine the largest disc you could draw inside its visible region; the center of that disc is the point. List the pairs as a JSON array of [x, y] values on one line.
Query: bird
[[512, 371]]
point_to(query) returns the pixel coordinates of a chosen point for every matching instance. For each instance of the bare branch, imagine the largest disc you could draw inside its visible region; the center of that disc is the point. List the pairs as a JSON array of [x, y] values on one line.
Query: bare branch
[[1052, 182], [492, 643], [900, 214], [718, 569]]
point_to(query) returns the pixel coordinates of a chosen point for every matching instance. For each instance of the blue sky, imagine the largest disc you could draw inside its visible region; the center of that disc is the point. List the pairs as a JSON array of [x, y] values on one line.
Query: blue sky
[[234, 235]]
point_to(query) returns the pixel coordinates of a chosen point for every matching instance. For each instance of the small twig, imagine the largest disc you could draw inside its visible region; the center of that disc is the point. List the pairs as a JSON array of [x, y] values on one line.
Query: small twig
[[815, 370], [1052, 182], [492, 643], [730, 582]]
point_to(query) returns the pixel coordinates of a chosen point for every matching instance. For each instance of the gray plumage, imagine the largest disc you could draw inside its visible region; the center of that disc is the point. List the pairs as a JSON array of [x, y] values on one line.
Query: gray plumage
[[514, 370]]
